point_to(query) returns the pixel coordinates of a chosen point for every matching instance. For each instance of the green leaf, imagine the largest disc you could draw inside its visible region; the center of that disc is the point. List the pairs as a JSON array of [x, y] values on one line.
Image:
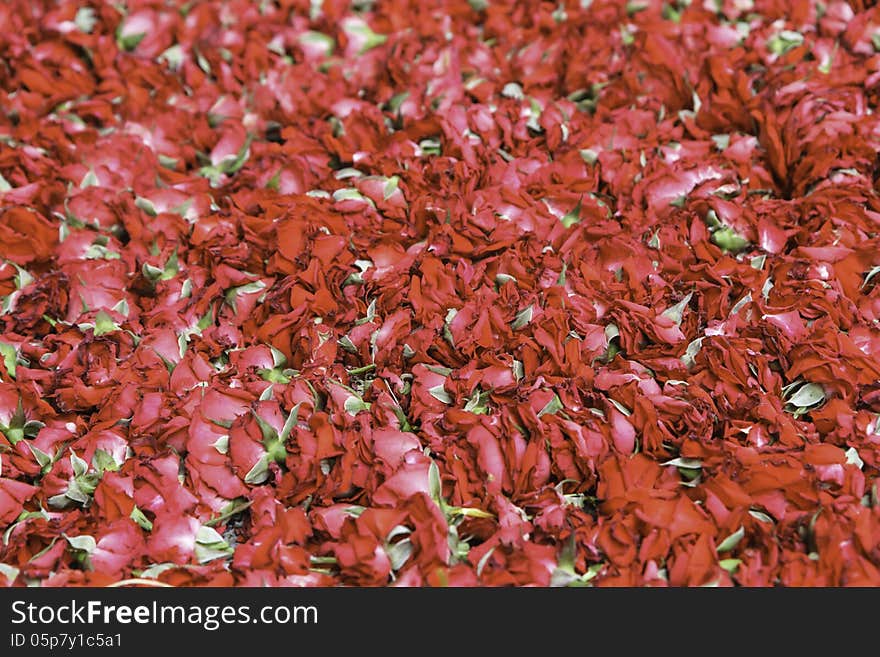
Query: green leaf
[[235, 507], [346, 343], [210, 545], [355, 510], [10, 572], [274, 183], [14, 434], [100, 252], [721, 141], [354, 405], [871, 274], [359, 27], [760, 515], [781, 43], [229, 164], [730, 565], [276, 449], [356, 371], [565, 574], [688, 358], [731, 541], [60, 501], [78, 465], [589, 156], [349, 194], [429, 147], [260, 472], [121, 307], [439, 392], [278, 357], [323, 560], [553, 406], [89, 180], [155, 570], [765, 289], [676, 312], [635, 6], [85, 20], [173, 56], [729, 240], [574, 216], [268, 431], [481, 565], [447, 331], [82, 542], [396, 101], [44, 550], [104, 324], [620, 407], [23, 278], [22, 517], [103, 461], [477, 404], [130, 41], [43, 459], [398, 553], [684, 463], [32, 428], [171, 267], [523, 317], [560, 280], [566, 559], [150, 272], [268, 393], [469, 512], [146, 205], [222, 444], [10, 357], [852, 457], [80, 489], [435, 487], [398, 530], [289, 423], [611, 332], [138, 516], [203, 62], [518, 370], [810, 394], [232, 295], [232, 164], [827, 61], [390, 187], [319, 39]]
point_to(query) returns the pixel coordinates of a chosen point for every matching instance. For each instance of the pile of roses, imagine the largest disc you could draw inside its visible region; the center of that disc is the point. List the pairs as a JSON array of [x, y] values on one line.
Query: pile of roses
[[439, 292]]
